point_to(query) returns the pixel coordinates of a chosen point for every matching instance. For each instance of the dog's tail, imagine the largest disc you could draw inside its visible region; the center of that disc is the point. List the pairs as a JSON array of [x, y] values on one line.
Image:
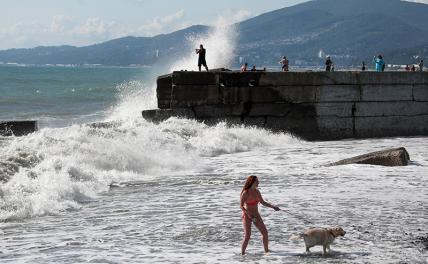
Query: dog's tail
[[297, 237]]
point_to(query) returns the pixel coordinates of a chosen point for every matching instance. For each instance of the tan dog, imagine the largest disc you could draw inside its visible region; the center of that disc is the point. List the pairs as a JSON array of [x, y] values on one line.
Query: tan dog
[[321, 237]]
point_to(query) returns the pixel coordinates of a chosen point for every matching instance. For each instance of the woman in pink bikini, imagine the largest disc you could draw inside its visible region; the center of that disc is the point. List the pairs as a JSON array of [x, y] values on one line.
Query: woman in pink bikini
[[250, 198]]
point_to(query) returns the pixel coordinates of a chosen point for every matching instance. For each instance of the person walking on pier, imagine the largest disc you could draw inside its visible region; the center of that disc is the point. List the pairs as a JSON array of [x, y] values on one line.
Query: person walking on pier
[[250, 198], [201, 61], [421, 66], [379, 63], [284, 63], [328, 64]]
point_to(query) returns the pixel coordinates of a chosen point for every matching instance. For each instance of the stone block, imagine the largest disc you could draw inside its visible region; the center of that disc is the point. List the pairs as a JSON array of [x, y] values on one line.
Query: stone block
[[283, 109], [338, 93], [335, 127], [302, 127], [159, 115], [194, 78], [191, 95], [235, 95], [379, 93], [218, 111], [390, 126], [404, 108], [240, 79], [17, 128], [308, 78], [334, 109], [388, 157], [292, 94], [163, 91], [391, 78], [420, 92]]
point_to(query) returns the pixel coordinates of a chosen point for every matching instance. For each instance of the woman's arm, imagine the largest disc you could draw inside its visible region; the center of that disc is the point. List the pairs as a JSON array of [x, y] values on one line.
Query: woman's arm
[[264, 203]]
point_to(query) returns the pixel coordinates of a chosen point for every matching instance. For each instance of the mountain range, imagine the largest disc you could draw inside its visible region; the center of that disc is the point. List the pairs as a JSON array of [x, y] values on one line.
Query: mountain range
[[350, 31]]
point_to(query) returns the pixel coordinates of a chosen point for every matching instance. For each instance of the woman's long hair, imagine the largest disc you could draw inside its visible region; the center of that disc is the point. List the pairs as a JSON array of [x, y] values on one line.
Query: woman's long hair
[[250, 181]]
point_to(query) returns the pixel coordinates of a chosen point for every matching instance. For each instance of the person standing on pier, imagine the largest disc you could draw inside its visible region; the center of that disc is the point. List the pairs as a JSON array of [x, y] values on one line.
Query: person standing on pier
[[421, 66], [250, 198], [201, 61], [379, 62], [284, 63], [363, 68], [244, 67], [328, 64]]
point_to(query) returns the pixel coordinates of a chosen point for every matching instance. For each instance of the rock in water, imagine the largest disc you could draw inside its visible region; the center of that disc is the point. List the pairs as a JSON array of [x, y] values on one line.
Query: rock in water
[[388, 157]]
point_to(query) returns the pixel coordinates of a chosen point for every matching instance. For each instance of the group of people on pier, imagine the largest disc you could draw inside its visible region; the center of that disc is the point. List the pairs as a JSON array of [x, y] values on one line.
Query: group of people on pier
[[329, 65]]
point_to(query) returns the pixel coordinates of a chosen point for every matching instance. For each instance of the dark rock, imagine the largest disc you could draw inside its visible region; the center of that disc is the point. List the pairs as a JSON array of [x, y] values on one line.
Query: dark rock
[[389, 157], [17, 128]]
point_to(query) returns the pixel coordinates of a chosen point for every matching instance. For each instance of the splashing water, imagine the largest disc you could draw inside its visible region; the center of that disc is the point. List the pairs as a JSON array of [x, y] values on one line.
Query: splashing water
[[220, 44]]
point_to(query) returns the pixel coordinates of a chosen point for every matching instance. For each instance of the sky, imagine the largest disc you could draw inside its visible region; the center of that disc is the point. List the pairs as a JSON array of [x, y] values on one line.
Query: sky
[[30, 23]]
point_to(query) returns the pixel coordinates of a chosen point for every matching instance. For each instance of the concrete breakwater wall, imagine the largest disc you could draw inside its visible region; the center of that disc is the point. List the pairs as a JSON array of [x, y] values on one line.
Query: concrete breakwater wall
[[312, 105]]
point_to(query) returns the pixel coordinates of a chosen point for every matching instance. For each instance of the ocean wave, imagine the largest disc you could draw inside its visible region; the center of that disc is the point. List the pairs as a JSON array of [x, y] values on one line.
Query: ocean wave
[[56, 169]]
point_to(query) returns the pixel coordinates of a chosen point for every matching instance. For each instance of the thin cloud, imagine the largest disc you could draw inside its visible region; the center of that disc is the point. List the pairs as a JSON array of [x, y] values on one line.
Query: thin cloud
[[161, 24]]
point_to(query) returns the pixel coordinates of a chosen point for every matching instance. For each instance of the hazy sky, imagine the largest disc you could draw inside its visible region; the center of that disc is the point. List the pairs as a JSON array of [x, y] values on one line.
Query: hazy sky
[[30, 23]]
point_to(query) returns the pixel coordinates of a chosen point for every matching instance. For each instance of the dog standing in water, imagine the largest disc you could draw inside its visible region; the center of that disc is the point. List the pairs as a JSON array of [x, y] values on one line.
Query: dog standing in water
[[321, 237]]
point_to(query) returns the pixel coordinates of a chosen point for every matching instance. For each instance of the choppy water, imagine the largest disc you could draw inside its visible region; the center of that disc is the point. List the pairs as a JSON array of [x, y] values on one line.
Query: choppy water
[[137, 192]]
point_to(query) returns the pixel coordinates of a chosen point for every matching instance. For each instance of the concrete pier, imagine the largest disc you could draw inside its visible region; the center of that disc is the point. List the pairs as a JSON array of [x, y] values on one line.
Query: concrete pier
[[311, 105], [17, 128]]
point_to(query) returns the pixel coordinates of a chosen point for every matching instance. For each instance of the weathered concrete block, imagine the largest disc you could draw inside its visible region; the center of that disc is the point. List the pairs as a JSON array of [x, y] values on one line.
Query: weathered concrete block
[[379, 93], [235, 95], [334, 109], [420, 92], [194, 78], [297, 94], [163, 91], [217, 111], [307, 78], [389, 157], [338, 93], [335, 127], [394, 78], [240, 79], [17, 128], [283, 109], [292, 94], [159, 115], [390, 126], [303, 127], [191, 95], [404, 108], [262, 94]]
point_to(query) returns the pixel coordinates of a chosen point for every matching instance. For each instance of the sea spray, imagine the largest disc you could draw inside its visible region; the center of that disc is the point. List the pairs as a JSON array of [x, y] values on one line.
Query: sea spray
[[67, 166], [220, 44]]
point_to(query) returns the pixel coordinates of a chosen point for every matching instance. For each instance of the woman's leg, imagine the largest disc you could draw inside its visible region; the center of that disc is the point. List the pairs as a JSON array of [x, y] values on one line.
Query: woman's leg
[[262, 228], [246, 222]]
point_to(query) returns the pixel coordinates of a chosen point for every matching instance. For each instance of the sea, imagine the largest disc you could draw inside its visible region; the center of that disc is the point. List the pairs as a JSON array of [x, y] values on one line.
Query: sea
[[99, 184]]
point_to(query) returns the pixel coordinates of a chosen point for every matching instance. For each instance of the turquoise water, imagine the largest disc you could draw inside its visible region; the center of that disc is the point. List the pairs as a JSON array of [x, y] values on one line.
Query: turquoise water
[[59, 96]]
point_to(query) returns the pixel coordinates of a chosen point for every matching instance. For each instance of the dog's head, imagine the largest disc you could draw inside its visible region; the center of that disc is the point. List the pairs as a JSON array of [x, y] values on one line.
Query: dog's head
[[337, 231]]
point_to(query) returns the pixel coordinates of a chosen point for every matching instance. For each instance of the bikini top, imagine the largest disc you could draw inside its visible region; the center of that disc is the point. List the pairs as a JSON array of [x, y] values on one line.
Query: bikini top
[[252, 202]]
